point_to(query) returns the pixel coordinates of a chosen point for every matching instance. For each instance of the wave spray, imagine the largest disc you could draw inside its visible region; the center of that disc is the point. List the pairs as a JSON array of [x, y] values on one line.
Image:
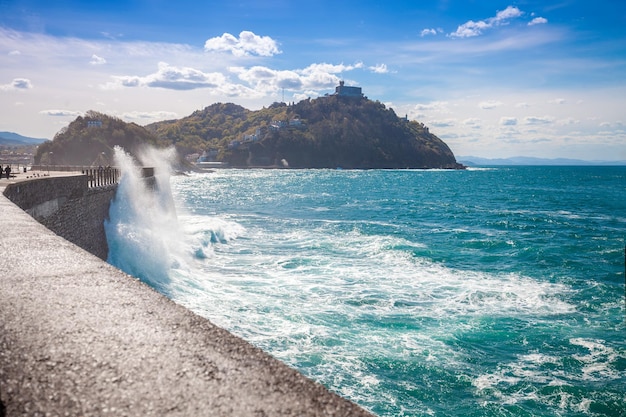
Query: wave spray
[[142, 230]]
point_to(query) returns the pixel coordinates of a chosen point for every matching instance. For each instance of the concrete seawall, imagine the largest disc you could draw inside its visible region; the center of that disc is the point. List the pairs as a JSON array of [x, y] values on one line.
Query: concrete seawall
[[68, 207], [78, 337]]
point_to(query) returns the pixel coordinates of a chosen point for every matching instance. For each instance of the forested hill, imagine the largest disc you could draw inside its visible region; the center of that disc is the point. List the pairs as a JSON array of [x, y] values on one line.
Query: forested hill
[[90, 139], [328, 132]]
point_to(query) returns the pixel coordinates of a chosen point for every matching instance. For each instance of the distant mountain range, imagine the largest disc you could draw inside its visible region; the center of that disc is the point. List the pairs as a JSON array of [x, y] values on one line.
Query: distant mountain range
[[527, 160], [13, 139]]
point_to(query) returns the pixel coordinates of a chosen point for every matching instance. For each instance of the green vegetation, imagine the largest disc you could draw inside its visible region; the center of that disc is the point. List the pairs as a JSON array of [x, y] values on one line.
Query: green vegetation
[[90, 139], [328, 132], [332, 132]]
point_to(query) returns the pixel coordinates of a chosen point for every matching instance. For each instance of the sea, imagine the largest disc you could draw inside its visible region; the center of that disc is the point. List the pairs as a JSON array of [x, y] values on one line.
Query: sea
[[495, 291]]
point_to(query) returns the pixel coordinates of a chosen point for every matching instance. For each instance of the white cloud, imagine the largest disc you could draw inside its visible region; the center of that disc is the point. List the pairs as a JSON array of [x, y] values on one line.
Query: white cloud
[[154, 115], [171, 77], [14, 53], [379, 69], [508, 121], [557, 101], [97, 60], [538, 120], [506, 14], [17, 84], [61, 113], [490, 104], [442, 123], [429, 32], [314, 77], [247, 44], [331, 68], [289, 80], [471, 28], [306, 95], [473, 122], [439, 106], [22, 84], [617, 124], [568, 121], [267, 79], [134, 64], [538, 21], [111, 36]]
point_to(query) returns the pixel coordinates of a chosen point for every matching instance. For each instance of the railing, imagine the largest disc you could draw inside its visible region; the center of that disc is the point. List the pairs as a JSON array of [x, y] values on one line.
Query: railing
[[60, 168], [100, 177], [96, 176]]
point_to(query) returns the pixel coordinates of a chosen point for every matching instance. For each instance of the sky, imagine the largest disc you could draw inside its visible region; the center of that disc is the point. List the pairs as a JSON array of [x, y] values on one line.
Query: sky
[[491, 78]]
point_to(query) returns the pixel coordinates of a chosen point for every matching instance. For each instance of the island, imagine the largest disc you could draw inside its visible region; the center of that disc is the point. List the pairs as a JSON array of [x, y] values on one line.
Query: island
[[342, 130]]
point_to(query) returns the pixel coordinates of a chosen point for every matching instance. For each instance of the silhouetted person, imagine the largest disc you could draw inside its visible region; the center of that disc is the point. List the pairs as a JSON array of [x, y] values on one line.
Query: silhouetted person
[[7, 171]]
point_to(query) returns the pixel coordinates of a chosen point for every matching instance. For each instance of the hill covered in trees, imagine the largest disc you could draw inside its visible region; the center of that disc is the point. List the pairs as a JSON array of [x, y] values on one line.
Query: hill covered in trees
[[328, 132], [90, 139]]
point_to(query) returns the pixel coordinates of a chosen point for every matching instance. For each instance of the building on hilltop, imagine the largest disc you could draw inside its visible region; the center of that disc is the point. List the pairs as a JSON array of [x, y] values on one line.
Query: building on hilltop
[[347, 91]]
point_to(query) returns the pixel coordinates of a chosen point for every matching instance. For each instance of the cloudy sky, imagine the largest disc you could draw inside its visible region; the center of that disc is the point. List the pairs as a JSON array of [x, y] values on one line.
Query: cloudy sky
[[491, 78]]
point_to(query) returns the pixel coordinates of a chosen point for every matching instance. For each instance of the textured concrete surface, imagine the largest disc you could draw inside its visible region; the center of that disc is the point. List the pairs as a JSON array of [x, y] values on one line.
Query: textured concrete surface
[[80, 338]]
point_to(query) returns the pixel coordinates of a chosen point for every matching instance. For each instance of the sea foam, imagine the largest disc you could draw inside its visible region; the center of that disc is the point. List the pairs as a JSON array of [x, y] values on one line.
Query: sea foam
[[398, 299], [142, 231]]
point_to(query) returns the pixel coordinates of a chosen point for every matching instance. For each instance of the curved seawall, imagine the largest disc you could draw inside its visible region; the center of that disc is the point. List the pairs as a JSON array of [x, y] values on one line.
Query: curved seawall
[[80, 337], [67, 206]]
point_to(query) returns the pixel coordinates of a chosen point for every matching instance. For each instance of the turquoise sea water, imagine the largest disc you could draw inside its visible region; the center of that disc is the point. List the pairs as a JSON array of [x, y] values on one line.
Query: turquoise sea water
[[486, 292]]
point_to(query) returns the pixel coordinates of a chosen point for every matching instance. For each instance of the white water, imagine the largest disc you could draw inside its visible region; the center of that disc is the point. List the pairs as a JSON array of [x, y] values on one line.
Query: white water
[[143, 232], [334, 301]]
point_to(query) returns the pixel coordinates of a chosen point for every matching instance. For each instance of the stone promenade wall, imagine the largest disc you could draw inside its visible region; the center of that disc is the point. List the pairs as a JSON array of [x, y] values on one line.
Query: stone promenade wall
[[67, 206]]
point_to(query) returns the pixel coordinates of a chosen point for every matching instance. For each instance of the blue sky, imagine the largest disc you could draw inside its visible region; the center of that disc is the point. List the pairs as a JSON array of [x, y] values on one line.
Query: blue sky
[[491, 78]]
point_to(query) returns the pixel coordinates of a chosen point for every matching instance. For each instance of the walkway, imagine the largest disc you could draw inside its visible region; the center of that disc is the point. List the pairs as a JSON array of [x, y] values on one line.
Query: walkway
[[80, 338]]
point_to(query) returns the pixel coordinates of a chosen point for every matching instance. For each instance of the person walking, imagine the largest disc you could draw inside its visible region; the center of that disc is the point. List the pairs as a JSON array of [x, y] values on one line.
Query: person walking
[[7, 171]]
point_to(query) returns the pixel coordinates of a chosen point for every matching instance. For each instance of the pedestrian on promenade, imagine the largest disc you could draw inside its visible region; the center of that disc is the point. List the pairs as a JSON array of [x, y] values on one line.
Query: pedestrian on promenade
[[7, 171]]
